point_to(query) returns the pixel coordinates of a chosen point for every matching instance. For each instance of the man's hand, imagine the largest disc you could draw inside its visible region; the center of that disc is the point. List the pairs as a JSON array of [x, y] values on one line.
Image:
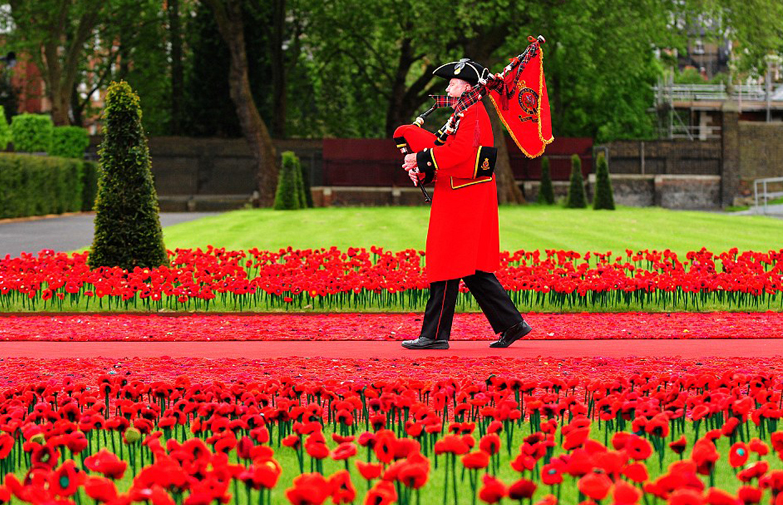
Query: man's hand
[[409, 162], [413, 171]]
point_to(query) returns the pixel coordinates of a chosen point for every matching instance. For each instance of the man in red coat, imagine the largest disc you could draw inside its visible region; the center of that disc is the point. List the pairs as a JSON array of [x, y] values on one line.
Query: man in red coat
[[462, 240]]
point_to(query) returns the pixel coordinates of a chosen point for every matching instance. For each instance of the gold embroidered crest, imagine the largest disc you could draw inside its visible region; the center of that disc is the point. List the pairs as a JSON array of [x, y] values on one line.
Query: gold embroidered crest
[[485, 165]]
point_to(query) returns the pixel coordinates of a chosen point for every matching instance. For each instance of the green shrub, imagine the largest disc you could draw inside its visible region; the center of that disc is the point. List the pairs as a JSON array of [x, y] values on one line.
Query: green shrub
[[603, 199], [5, 130], [546, 193], [69, 142], [32, 133], [38, 185], [576, 191], [127, 226], [299, 179], [308, 194], [289, 186]]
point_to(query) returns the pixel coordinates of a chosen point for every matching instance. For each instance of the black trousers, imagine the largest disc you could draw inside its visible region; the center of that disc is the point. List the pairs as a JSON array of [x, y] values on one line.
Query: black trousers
[[488, 292]]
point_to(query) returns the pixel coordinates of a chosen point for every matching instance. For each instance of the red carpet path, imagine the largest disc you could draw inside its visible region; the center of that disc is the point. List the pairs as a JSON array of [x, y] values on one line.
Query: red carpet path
[[383, 350], [380, 327]]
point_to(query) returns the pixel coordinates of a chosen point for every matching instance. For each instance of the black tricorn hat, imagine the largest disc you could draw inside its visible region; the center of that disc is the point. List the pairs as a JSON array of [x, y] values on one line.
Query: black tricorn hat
[[465, 69]]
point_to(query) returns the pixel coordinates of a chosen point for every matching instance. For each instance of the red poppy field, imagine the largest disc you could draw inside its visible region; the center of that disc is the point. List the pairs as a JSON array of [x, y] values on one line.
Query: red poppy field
[[415, 430], [379, 326], [331, 280], [430, 430]]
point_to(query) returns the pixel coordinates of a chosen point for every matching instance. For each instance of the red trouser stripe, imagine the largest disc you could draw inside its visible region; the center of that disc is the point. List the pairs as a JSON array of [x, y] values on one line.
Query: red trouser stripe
[[442, 304]]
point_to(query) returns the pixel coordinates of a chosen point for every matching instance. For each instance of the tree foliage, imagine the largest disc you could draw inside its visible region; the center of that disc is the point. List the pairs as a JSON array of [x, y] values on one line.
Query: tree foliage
[[57, 36], [355, 68]]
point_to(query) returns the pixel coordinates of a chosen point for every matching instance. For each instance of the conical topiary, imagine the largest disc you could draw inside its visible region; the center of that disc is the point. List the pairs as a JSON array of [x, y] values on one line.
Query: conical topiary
[[546, 193], [127, 225], [576, 191], [287, 195], [307, 203], [603, 199], [300, 191]]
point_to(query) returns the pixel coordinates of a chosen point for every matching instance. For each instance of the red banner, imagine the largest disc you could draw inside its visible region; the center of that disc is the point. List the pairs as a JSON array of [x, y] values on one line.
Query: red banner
[[526, 111]]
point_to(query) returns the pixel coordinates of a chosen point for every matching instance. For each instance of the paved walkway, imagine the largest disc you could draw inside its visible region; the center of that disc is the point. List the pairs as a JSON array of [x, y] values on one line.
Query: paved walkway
[[775, 211], [649, 349], [64, 233]]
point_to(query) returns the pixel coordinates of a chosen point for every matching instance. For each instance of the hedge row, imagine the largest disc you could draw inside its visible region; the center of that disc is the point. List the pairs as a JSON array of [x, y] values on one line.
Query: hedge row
[[38, 185], [35, 133]]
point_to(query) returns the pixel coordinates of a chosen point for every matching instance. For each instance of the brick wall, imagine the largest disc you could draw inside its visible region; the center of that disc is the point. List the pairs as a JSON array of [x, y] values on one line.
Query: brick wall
[[692, 192], [214, 166], [672, 157], [643, 173], [761, 151]]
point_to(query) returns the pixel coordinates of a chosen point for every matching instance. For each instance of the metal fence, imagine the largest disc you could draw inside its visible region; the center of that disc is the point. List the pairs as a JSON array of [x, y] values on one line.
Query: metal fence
[[767, 189]]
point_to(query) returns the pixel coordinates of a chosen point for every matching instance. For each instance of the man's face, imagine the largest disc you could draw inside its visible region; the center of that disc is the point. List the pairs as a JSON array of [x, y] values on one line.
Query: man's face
[[456, 87]]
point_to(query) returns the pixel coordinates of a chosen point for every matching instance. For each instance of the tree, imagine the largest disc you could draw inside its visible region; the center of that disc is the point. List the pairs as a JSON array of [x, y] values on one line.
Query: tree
[[138, 55], [228, 15], [384, 51], [81, 45], [127, 226], [209, 110], [283, 24], [56, 34], [603, 198], [546, 193], [576, 190], [177, 70]]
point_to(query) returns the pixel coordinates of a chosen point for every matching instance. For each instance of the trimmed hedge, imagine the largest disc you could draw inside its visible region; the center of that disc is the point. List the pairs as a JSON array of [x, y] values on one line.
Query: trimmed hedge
[[69, 142], [32, 133], [603, 199], [290, 189], [5, 130], [577, 199], [39, 185], [308, 194], [546, 193]]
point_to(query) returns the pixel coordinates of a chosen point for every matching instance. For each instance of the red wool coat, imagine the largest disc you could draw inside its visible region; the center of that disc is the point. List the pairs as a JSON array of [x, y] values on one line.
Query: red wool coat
[[463, 229]]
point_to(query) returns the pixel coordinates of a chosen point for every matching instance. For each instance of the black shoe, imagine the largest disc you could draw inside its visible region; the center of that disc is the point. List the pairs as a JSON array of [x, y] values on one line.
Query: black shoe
[[512, 334], [425, 343]]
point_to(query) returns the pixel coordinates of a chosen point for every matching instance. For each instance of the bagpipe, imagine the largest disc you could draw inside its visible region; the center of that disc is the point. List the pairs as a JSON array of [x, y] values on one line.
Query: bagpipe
[[519, 95]]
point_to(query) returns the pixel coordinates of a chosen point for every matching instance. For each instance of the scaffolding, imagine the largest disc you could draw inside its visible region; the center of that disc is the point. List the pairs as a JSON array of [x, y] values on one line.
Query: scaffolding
[[686, 111]]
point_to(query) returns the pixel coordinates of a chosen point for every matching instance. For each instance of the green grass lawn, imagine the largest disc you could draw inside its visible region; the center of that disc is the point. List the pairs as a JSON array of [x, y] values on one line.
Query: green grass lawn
[[529, 227]]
